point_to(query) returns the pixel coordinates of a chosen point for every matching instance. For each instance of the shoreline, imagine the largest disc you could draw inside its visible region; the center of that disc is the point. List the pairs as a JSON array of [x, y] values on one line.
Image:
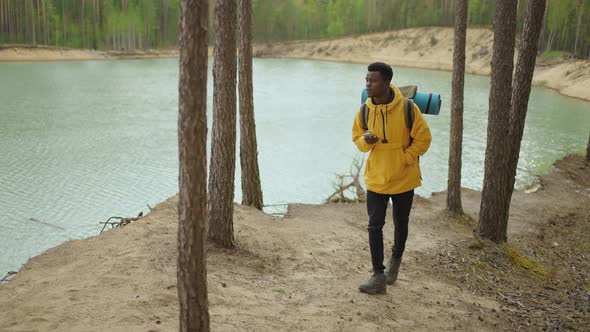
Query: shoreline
[[428, 48], [539, 84], [431, 48]]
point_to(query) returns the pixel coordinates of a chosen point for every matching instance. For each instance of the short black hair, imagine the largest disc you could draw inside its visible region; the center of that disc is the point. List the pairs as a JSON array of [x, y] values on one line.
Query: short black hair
[[383, 68]]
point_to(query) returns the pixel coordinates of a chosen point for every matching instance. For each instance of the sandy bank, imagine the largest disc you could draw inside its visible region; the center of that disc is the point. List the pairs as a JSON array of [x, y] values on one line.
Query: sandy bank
[[302, 272], [431, 48], [42, 54]]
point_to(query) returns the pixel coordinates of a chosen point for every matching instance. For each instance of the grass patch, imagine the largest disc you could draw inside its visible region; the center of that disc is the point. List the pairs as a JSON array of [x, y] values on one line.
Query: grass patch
[[483, 265], [445, 216], [279, 290], [528, 265], [553, 54], [583, 247]]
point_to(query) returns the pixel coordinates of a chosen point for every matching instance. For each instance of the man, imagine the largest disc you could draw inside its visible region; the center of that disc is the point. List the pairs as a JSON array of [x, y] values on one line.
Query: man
[[392, 170]]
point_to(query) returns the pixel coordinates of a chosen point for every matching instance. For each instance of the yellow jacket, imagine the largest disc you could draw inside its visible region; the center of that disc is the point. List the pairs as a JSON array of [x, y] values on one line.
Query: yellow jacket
[[392, 167]]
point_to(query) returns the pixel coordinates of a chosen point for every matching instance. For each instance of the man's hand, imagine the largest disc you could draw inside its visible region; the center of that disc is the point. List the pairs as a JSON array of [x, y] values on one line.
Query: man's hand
[[370, 137]]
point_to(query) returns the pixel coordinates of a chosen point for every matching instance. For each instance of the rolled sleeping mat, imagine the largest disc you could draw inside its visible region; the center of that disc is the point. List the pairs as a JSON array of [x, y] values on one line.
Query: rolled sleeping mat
[[429, 103]]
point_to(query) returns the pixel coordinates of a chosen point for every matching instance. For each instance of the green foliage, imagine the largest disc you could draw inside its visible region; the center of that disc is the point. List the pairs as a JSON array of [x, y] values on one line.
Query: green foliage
[[130, 24], [553, 54], [107, 24]]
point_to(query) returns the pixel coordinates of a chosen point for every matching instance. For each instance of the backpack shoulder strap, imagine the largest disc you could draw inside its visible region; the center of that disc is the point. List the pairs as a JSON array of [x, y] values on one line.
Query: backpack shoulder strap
[[365, 116], [409, 113]]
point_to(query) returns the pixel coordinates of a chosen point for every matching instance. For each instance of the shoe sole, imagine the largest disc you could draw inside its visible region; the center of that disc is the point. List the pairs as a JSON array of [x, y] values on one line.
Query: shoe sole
[[381, 292]]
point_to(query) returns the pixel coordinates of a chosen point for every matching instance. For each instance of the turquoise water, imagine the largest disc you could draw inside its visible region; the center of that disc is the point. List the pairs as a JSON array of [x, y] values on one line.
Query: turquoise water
[[83, 141]]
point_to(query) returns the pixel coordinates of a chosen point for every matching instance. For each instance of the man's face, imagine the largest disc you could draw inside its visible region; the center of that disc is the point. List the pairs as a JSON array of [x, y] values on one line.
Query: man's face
[[376, 85]]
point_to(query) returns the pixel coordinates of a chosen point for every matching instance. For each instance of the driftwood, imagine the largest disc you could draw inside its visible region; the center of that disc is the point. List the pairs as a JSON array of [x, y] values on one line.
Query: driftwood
[[341, 186], [122, 222], [8, 276]]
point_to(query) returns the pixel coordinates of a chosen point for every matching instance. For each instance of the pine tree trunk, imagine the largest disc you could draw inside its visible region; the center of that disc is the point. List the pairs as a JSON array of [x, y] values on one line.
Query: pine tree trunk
[[146, 27], [82, 24], [18, 20], [23, 21], [33, 22], [3, 29], [492, 224], [3, 33], [8, 18], [456, 140], [164, 21], [578, 24], [38, 16], [544, 26], [44, 23], [223, 145], [192, 146], [523, 76], [64, 18], [94, 24], [251, 188]]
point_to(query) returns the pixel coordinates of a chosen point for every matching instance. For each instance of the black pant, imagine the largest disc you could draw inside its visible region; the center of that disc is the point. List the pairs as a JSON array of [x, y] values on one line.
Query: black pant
[[377, 207]]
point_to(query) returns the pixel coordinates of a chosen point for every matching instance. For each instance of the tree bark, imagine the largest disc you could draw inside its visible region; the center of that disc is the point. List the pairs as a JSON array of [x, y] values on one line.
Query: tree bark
[[223, 145], [251, 188], [523, 76], [492, 225], [456, 138], [192, 143]]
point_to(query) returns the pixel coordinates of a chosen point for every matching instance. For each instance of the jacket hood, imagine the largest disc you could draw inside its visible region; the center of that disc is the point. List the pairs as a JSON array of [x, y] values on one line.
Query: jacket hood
[[397, 98]]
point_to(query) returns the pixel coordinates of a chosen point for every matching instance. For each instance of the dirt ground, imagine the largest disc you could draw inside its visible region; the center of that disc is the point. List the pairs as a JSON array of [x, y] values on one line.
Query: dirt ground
[[301, 272], [432, 48]]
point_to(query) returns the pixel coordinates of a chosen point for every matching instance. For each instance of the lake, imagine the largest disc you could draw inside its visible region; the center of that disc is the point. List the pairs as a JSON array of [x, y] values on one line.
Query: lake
[[83, 141]]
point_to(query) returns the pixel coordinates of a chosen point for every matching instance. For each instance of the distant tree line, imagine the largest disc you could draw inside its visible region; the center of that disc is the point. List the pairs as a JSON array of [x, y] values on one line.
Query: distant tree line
[[95, 24], [566, 24], [140, 24]]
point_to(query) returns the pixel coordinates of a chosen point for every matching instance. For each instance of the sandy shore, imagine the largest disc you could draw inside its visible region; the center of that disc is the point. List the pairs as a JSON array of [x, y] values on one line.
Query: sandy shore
[[301, 272], [432, 48], [43, 54]]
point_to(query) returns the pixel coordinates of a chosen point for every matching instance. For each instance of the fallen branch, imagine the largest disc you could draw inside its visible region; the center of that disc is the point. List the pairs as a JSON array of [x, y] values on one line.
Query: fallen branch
[[341, 187], [7, 277], [122, 221]]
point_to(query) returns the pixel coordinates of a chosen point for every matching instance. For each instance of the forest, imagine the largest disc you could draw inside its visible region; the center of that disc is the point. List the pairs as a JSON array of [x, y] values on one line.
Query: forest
[[153, 24]]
